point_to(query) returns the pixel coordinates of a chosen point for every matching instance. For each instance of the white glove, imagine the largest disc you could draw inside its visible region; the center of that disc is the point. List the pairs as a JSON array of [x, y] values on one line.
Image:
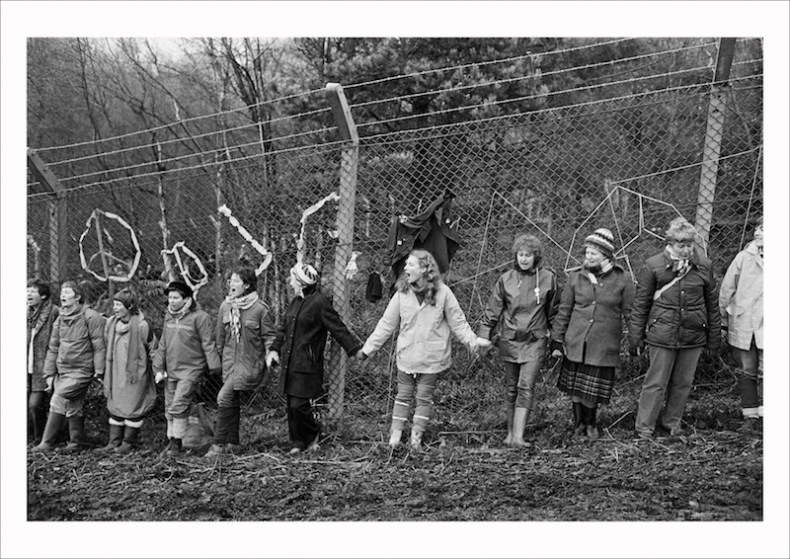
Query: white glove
[[160, 376], [272, 357]]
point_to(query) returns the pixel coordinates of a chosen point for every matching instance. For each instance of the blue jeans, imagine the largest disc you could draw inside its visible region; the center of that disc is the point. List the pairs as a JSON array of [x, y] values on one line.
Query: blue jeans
[[425, 386], [671, 373]]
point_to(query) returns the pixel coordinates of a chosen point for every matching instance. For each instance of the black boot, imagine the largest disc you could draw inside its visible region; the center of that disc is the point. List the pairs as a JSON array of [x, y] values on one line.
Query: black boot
[[590, 422], [76, 434], [578, 419], [49, 439], [116, 436], [234, 420], [129, 440]]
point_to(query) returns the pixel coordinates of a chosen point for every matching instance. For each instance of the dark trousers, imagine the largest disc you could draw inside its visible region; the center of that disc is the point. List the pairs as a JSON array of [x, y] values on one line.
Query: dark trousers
[[37, 405], [302, 425]]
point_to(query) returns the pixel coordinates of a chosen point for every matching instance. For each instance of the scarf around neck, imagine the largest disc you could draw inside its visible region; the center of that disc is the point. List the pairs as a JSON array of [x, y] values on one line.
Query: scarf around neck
[[117, 327], [605, 267], [679, 265], [239, 304]]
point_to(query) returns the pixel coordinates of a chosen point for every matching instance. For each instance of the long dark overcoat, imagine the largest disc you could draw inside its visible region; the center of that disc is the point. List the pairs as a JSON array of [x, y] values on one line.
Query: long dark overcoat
[[301, 339]]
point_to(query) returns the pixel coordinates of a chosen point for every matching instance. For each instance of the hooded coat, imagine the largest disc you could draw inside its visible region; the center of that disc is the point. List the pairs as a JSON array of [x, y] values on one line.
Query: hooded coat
[[187, 348], [741, 299], [523, 316], [76, 351]]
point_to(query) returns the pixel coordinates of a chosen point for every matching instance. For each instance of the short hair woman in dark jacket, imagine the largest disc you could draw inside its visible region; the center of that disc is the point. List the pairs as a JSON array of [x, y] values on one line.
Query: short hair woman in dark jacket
[[676, 312], [299, 348], [588, 329], [244, 332]]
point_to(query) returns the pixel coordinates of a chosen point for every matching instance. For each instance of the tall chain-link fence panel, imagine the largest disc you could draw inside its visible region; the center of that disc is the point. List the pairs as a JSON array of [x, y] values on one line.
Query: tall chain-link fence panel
[[629, 163]]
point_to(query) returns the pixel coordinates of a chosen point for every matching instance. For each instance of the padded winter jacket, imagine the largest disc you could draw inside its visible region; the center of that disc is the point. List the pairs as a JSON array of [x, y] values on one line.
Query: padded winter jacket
[[187, 348], [686, 315], [589, 322], [245, 360], [741, 299], [76, 351], [301, 340], [523, 316], [423, 344]]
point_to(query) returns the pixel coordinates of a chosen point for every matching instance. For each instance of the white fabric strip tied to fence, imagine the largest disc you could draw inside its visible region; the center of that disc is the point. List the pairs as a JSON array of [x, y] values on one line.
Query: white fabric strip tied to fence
[[267, 256]]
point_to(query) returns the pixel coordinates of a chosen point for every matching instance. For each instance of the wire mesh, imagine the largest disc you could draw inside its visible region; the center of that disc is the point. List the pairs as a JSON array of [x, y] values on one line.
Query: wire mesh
[[629, 163]]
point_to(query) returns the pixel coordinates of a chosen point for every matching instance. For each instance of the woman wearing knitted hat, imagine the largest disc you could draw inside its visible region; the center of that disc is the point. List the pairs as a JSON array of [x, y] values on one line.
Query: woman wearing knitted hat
[[299, 349], [524, 300], [676, 312], [588, 328]]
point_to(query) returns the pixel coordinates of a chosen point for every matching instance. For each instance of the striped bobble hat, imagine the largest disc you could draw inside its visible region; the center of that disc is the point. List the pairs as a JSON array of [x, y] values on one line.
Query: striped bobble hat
[[305, 273], [602, 240]]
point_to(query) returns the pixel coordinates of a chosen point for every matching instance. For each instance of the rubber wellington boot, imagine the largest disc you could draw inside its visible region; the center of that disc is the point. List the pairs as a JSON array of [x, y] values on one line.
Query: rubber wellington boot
[[116, 437], [416, 438], [579, 426], [55, 423], [129, 440], [519, 423], [395, 436], [592, 427], [76, 434]]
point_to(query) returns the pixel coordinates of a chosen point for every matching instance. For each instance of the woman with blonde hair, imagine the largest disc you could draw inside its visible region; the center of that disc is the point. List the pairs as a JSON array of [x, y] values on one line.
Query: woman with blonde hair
[[425, 312]]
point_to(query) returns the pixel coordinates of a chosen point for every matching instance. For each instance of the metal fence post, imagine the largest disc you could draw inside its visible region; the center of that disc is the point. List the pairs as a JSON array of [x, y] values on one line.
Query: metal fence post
[[713, 136], [349, 158], [58, 216]]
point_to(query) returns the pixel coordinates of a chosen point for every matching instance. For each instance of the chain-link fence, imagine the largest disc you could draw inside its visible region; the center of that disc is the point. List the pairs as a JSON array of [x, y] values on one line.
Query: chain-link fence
[[629, 163]]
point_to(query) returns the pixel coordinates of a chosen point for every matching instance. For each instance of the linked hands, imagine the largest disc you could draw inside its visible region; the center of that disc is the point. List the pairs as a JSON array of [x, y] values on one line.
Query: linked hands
[[272, 357], [160, 376]]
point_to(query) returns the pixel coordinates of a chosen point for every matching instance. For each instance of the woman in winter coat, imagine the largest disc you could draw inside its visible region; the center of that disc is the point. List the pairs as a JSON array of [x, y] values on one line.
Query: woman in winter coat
[[588, 329], [128, 378], [424, 311], [676, 312], [41, 315], [524, 300], [741, 308], [299, 348], [185, 353], [244, 332], [76, 354]]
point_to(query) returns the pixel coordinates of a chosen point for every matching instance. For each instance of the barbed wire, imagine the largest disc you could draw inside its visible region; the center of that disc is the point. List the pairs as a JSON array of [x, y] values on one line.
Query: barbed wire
[[193, 137], [485, 63], [531, 76], [633, 96]]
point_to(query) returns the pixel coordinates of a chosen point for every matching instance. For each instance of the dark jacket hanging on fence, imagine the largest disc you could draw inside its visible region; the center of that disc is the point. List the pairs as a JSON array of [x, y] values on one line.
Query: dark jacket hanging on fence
[[301, 339], [429, 230]]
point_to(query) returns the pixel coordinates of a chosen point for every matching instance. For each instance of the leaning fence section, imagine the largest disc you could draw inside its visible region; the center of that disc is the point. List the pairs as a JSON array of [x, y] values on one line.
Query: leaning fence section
[[628, 163]]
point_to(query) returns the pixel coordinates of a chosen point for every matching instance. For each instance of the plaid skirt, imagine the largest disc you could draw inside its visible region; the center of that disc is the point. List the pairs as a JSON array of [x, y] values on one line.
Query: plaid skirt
[[586, 381]]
